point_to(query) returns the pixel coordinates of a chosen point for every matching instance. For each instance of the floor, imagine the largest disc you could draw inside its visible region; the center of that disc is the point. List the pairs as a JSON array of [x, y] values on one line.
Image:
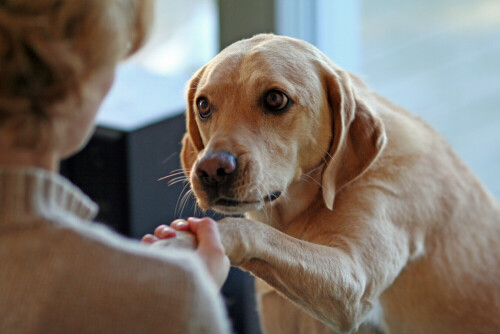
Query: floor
[[440, 59]]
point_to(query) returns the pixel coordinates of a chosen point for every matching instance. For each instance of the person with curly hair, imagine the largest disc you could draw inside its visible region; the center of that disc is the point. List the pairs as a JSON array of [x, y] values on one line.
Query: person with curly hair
[[59, 271]]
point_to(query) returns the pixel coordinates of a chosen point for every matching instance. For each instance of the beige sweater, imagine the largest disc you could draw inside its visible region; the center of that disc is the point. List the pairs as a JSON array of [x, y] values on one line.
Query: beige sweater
[[61, 273]]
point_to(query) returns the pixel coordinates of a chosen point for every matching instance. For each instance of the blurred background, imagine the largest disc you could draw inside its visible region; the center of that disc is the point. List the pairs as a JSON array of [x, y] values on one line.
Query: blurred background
[[440, 59]]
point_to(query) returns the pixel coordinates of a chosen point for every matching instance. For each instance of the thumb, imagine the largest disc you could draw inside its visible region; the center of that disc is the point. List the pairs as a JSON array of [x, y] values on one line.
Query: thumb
[[206, 233], [210, 248]]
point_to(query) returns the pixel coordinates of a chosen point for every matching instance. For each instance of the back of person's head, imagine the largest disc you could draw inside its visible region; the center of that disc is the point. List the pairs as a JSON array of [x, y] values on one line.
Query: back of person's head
[[49, 47]]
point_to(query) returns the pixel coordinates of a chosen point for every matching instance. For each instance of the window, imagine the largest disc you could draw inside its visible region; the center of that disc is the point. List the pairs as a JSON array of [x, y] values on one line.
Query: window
[[441, 60]]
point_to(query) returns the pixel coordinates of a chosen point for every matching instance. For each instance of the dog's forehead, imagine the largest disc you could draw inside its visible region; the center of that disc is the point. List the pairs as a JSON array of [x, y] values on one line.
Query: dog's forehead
[[261, 61]]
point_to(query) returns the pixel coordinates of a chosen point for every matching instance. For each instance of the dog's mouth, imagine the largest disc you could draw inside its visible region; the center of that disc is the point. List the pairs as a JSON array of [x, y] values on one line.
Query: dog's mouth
[[274, 196], [229, 202]]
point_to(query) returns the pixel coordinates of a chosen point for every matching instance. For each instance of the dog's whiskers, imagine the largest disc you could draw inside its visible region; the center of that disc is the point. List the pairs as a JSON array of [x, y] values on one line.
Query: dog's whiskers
[[307, 176], [176, 172], [174, 154], [185, 201], [178, 180], [181, 199]]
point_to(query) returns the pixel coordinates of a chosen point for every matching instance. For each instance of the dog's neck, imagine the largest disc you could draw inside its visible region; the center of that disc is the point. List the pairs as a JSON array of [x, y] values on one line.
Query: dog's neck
[[300, 195]]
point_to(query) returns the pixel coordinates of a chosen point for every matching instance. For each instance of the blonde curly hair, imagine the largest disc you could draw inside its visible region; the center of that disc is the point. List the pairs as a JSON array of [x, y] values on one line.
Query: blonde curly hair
[[49, 47]]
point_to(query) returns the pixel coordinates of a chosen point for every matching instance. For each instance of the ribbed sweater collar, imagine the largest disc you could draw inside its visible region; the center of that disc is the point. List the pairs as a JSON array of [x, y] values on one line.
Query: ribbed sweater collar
[[31, 193]]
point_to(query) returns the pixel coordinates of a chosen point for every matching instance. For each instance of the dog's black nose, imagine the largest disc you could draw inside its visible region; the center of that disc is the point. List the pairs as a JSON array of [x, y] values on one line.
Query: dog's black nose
[[215, 168]]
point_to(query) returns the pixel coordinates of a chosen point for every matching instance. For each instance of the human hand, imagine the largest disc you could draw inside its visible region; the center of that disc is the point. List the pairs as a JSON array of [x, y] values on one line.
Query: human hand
[[172, 236], [163, 232], [208, 247]]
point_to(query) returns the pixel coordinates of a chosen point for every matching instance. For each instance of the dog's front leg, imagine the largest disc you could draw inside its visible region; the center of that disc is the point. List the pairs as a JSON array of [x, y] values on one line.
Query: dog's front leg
[[278, 315], [337, 285]]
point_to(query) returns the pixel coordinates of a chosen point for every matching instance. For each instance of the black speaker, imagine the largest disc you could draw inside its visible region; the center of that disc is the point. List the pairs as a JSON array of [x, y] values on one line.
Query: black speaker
[[121, 171]]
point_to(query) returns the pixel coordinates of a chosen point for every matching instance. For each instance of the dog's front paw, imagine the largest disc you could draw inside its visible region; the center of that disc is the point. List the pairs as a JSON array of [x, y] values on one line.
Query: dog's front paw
[[237, 238]]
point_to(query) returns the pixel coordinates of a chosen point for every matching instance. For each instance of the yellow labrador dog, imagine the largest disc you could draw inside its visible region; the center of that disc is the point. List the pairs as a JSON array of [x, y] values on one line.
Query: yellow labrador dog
[[360, 217]]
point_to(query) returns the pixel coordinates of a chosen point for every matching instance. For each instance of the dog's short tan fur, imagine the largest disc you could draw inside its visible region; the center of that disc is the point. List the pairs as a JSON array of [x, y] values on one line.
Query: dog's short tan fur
[[380, 228]]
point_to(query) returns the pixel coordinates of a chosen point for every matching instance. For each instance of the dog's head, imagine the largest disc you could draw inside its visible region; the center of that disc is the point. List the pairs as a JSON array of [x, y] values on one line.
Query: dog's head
[[266, 111]]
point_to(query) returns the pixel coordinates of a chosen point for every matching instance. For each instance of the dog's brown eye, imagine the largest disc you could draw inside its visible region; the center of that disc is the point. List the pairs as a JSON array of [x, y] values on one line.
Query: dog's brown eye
[[204, 109], [276, 100]]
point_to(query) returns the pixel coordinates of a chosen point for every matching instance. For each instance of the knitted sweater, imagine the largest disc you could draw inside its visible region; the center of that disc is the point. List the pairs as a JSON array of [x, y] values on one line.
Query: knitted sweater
[[62, 273]]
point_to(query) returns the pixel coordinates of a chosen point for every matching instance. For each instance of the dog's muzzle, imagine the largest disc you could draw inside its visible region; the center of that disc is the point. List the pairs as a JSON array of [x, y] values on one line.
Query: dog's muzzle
[[217, 173]]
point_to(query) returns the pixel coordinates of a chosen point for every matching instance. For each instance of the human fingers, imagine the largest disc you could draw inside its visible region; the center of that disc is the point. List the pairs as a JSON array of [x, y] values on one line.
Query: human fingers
[[180, 225], [186, 240], [164, 232], [207, 233], [210, 248], [149, 239]]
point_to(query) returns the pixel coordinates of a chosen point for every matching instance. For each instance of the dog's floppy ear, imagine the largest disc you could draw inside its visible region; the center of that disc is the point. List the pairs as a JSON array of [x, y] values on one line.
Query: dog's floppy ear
[[358, 135], [192, 143]]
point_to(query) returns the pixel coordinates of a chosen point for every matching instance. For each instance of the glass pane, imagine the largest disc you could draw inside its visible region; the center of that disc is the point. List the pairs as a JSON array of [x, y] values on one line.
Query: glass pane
[[440, 59]]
